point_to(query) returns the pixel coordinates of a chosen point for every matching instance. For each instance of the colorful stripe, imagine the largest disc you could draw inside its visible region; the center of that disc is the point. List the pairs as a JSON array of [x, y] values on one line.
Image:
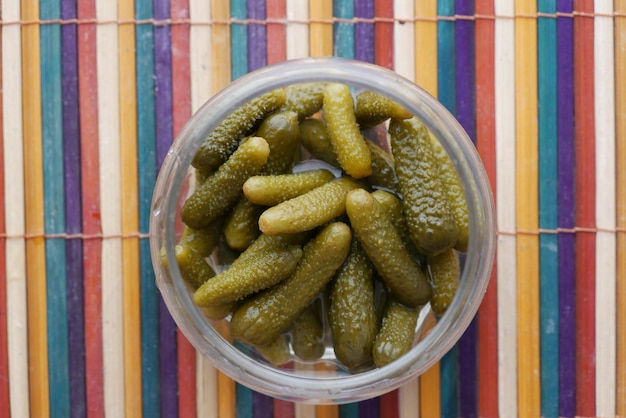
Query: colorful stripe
[[320, 28], [343, 32], [383, 33], [584, 130], [487, 344], [238, 38], [5, 397], [548, 208], [364, 30], [275, 11], [566, 210]]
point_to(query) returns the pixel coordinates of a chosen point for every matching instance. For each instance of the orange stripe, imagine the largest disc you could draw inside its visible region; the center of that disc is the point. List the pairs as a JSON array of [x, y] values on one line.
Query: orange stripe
[[620, 157], [529, 399], [321, 28], [34, 208], [130, 221], [276, 32], [426, 45], [220, 45], [485, 142], [383, 34]]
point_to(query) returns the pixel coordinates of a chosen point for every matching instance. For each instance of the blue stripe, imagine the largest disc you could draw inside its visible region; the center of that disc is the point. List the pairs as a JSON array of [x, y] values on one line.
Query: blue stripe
[[238, 39], [343, 33]]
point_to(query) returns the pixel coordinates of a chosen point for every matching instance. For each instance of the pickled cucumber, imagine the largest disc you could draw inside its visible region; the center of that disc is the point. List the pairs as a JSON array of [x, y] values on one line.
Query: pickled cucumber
[[314, 138], [454, 192], [222, 189], [428, 215], [444, 273], [372, 108], [276, 352], [272, 190], [305, 99], [384, 247], [282, 133], [193, 267], [223, 141], [202, 241], [351, 311], [396, 334], [343, 131], [241, 226], [307, 335], [263, 317], [267, 261], [383, 168], [309, 210]]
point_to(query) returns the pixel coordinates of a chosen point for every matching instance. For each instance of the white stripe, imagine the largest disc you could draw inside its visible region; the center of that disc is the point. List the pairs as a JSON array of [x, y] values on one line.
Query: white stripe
[[109, 150], [298, 31], [201, 91], [605, 210], [409, 400], [404, 58], [17, 317], [505, 195]]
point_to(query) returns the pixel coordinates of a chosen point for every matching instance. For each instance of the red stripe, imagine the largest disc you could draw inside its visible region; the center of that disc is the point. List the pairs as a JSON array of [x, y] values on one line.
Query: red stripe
[[5, 406], [486, 144], [181, 112], [92, 249], [383, 34], [585, 208], [389, 406], [284, 409], [276, 32]]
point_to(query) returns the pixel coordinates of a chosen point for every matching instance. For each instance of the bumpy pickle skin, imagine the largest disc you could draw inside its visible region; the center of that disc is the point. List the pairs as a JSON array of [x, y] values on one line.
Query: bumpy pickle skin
[[276, 352], [351, 312], [221, 190], [384, 247], [263, 317], [267, 261], [392, 206], [241, 226], [272, 190], [428, 214], [282, 132], [307, 335], [309, 210], [454, 191], [314, 138], [193, 267], [202, 241], [383, 168], [305, 99], [372, 108], [223, 141], [396, 334], [343, 131], [445, 272]]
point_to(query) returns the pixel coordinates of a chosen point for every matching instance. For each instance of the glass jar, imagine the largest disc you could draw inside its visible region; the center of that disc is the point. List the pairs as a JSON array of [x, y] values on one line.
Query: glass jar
[[323, 381]]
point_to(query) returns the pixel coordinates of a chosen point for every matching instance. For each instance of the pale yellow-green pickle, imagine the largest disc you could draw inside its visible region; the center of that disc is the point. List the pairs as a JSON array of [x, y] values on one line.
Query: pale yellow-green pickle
[[272, 190]]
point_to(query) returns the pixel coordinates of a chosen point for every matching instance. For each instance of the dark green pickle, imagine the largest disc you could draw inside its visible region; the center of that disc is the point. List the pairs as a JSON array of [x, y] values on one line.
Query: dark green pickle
[[276, 352], [307, 335], [222, 189], [372, 108], [351, 311], [223, 141], [445, 271], [263, 317], [383, 168], [241, 225], [314, 138], [396, 334], [428, 215], [282, 132], [305, 99]]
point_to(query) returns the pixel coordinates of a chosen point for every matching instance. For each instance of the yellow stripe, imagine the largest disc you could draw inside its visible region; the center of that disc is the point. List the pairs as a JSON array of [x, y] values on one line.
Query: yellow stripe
[[220, 45], [34, 207], [620, 135], [529, 400], [321, 33], [130, 221], [426, 45]]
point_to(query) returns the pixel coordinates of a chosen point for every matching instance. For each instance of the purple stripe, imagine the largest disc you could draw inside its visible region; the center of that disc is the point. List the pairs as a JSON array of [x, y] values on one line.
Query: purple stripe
[[567, 211], [466, 115], [164, 135], [257, 35], [364, 32], [262, 405], [73, 219], [369, 408]]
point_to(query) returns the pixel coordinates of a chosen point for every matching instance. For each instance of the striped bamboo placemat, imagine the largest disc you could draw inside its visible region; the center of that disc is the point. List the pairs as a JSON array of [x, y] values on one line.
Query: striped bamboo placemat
[[95, 91]]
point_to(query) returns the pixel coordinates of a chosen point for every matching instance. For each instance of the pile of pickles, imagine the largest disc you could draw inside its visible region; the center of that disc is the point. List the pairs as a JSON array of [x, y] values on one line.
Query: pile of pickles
[[340, 211]]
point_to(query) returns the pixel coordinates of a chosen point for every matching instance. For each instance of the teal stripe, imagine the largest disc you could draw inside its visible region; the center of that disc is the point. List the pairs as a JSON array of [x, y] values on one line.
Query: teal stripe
[[54, 213], [548, 209], [349, 410], [146, 151], [446, 92], [343, 32], [243, 397], [445, 56], [449, 371], [238, 39]]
